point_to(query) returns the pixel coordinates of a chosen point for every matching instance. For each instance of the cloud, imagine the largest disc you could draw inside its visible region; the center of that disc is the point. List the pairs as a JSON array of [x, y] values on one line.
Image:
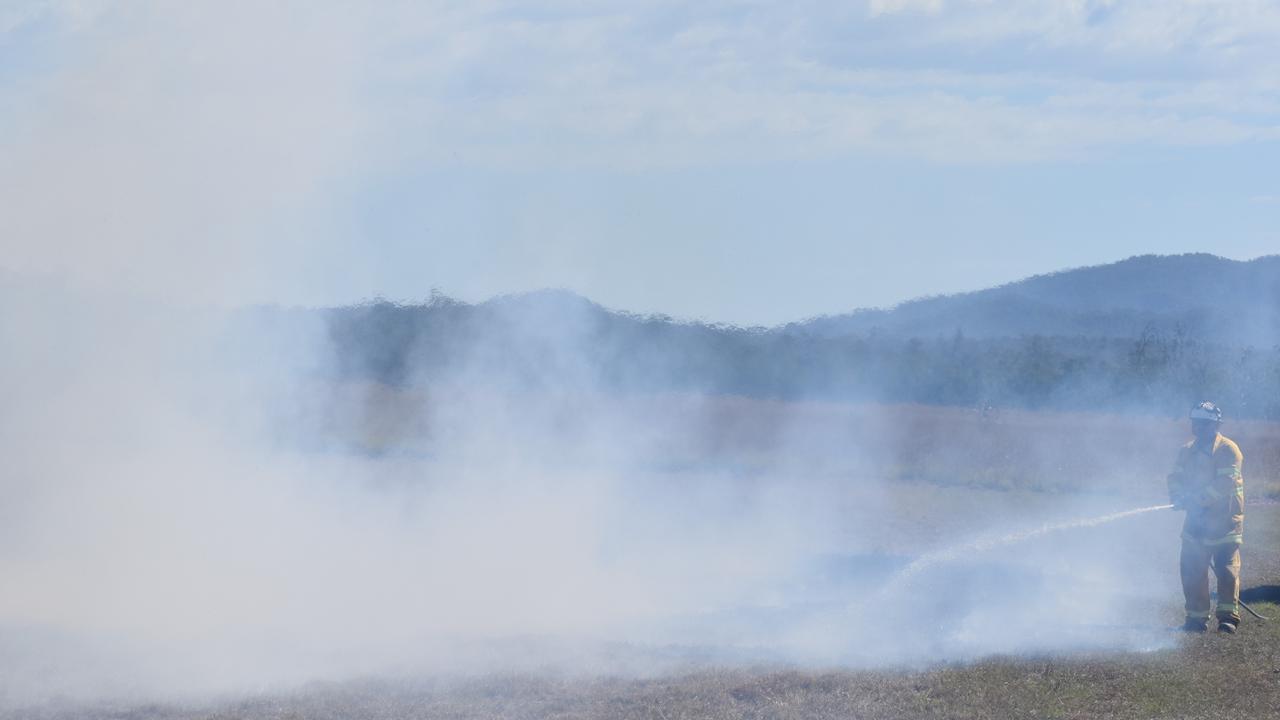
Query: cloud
[[217, 150], [1127, 28], [889, 7], [530, 83], [964, 82]]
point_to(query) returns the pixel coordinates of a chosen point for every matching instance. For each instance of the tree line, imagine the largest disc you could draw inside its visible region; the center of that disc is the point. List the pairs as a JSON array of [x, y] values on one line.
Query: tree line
[[571, 343]]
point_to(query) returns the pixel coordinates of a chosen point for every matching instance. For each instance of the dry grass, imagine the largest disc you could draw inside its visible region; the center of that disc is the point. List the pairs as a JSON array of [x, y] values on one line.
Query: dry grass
[[1018, 450], [950, 446], [1209, 676], [994, 449]]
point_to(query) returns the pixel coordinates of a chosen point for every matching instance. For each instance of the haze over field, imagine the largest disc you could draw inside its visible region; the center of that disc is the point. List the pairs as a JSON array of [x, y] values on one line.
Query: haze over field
[[512, 499], [232, 467]]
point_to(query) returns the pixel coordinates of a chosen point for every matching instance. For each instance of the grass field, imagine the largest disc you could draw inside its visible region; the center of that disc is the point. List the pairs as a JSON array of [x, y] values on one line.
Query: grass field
[[1202, 676], [954, 471], [1000, 449]]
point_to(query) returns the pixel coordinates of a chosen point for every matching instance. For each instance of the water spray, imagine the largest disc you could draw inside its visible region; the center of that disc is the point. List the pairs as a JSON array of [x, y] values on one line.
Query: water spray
[[983, 544]]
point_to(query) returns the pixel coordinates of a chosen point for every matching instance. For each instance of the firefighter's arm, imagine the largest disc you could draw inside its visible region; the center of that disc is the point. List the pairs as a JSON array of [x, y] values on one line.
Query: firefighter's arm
[[1177, 488], [1226, 477], [1177, 496]]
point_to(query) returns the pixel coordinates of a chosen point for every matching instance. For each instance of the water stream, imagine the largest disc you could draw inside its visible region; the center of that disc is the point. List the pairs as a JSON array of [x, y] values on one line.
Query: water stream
[[966, 550]]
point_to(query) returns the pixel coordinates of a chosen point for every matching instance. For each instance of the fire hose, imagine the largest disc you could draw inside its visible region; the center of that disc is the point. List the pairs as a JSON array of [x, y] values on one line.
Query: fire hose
[[1214, 598], [1253, 612]]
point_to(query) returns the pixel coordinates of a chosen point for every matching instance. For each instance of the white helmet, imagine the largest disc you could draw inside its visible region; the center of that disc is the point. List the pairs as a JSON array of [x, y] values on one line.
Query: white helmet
[[1206, 411]]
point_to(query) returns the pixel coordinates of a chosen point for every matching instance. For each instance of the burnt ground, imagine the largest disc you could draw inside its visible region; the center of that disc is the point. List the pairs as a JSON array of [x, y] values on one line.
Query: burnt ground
[[1202, 676], [1206, 677]]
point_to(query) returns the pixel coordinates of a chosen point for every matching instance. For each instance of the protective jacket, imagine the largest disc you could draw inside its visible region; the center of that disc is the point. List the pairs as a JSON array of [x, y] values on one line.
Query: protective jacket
[[1207, 483]]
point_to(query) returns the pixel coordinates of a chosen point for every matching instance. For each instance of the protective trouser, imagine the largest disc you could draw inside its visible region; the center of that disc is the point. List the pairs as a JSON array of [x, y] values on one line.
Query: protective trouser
[[1195, 563]]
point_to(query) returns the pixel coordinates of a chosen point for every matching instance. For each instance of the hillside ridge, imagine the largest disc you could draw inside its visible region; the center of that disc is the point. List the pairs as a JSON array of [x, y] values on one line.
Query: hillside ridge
[[1195, 293]]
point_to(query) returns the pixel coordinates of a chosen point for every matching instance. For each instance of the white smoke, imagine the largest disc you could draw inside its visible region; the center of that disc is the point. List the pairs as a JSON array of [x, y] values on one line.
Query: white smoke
[[191, 503], [197, 506]]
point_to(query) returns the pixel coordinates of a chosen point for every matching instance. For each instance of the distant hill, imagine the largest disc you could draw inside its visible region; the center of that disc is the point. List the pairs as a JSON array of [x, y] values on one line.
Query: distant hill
[[1148, 334], [1200, 295]]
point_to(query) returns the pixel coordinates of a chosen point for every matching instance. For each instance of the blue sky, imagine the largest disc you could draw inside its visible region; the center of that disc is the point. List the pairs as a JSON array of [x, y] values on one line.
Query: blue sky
[[745, 162]]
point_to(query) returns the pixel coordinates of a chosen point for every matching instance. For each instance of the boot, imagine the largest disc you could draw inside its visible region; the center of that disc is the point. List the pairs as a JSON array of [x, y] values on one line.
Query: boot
[[1226, 626], [1197, 625]]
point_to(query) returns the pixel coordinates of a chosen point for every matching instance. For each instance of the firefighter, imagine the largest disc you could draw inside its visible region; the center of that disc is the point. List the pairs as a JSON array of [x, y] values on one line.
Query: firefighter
[[1207, 484]]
